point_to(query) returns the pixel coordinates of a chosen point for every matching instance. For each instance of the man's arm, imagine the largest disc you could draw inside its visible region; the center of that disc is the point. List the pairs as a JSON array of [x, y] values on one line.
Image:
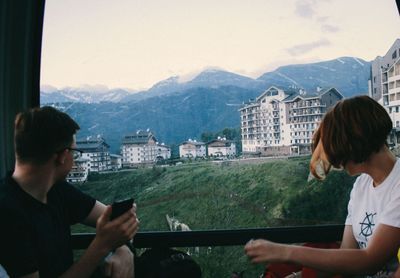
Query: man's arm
[[109, 236], [97, 210]]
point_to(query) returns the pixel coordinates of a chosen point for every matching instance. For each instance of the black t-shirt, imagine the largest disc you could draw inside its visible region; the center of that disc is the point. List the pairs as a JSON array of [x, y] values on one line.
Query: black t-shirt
[[36, 236]]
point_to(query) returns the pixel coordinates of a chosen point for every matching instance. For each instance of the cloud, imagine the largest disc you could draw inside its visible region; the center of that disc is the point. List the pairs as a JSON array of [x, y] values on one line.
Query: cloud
[[322, 19], [329, 28], [307, 47], [305, 8]]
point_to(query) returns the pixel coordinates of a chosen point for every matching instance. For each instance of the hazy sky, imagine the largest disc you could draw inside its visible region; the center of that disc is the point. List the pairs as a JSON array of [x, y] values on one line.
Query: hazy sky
[[134, 44]]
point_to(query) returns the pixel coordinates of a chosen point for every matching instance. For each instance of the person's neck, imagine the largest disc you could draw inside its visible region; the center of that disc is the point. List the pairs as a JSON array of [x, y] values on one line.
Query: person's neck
[[380, 165], [36, 180]]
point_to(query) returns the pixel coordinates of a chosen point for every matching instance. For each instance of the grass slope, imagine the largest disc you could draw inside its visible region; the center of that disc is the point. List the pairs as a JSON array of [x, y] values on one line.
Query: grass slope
[[225, 196]]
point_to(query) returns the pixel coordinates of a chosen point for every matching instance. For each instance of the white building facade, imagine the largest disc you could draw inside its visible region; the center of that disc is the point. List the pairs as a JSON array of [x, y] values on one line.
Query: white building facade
[[282, 122], [385, 82], [192, 149], [97, 152], [116, 162], [385, 86], [142, 147], [79, 171], [221, 148]]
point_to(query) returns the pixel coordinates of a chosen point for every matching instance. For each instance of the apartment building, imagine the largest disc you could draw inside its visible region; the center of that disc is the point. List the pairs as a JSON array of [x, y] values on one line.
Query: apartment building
[[263, 122], [142, 147], [221, 147], [116, 161], [282, 122], [381, 68], [79, 171], [305, 112], [192, 149], [97, 151], [163, 151], [385, 85]]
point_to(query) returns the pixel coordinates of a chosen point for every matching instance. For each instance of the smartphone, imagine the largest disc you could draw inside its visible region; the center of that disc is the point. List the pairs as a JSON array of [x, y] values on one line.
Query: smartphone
[[120, 207]]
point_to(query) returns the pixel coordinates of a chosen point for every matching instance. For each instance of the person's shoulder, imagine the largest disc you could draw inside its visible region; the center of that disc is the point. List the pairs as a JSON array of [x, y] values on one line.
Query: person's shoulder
[[361, 182], [10, 206], [6, 193]]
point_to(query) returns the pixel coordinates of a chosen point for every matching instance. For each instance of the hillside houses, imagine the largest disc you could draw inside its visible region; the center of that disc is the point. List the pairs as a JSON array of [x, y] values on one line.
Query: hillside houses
[[282, 122]]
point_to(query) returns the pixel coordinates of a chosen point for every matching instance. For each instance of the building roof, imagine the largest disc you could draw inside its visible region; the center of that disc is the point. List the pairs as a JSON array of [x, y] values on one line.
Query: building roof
[[220, 143], [139, 137], [196, 143], [91, 144], [311, 95], [273, 91]]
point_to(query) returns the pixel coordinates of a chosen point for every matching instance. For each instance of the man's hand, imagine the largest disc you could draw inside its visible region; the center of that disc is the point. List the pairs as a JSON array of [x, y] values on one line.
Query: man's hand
[[120, 264], [113, 234]]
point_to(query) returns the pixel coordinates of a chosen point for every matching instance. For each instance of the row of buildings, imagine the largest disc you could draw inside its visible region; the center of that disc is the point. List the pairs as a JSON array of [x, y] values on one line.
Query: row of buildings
[[139, 148], [220, 147]]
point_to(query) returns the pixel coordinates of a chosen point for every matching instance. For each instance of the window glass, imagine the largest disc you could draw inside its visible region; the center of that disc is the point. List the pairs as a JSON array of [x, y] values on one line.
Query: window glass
[[183, 104]]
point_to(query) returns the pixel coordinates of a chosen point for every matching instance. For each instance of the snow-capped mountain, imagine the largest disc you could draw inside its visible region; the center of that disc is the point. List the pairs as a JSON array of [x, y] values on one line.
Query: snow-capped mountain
[[85, 94], [348, 74]]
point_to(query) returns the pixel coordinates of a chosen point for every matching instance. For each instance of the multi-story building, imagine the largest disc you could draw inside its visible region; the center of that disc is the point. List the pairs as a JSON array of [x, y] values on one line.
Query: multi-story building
[[192, 149], [116, 161], [97, 151], [221, 147], [163, 151], [282, 122], [79, 171], [381, 70], [384, 87], [262, 121], [305, 112], [142, 147]]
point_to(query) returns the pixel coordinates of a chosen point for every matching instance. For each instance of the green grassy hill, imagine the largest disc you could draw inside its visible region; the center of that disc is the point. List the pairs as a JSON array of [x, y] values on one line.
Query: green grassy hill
[[227, 196]]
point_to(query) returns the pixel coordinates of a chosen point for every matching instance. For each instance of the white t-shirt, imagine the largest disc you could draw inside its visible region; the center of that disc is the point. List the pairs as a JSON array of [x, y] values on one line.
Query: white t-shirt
[[370, 206]]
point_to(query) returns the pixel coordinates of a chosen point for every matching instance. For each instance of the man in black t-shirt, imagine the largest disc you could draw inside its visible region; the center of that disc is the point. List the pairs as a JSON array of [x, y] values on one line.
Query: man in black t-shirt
[[37, 206]]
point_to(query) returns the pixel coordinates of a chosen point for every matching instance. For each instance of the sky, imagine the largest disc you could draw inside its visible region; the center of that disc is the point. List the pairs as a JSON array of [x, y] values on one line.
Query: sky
[[137, 43]]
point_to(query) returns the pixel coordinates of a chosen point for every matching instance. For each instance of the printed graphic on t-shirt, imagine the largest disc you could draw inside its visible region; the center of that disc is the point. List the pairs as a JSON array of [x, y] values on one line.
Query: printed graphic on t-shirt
[[367, 226]]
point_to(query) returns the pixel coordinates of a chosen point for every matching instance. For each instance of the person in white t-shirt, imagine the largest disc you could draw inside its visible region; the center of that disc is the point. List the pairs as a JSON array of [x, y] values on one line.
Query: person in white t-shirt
[[352, 136]]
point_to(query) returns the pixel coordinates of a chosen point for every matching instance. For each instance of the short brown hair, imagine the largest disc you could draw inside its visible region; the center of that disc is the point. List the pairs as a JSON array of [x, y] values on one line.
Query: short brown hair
[[41, 132], [352, 130]]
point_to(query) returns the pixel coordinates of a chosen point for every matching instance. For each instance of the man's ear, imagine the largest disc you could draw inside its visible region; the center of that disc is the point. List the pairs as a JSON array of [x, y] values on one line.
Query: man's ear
[[60, 157]]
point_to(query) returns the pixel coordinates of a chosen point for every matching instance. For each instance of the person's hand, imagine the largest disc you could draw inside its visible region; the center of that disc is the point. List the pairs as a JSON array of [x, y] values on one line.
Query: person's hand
[[294, 275], [264, 251], [120, 264], [112, 234]]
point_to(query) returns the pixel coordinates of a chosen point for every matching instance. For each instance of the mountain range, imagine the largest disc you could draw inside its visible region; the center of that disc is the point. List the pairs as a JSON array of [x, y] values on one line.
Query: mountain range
[[176, 111]]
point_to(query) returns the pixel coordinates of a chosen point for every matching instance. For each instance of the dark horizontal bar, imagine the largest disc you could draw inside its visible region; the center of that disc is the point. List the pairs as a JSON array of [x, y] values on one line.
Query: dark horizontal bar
[[298, 234]]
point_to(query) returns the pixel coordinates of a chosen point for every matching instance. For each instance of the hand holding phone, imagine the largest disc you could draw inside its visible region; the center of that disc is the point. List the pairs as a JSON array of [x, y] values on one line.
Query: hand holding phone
[[120, 207]]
